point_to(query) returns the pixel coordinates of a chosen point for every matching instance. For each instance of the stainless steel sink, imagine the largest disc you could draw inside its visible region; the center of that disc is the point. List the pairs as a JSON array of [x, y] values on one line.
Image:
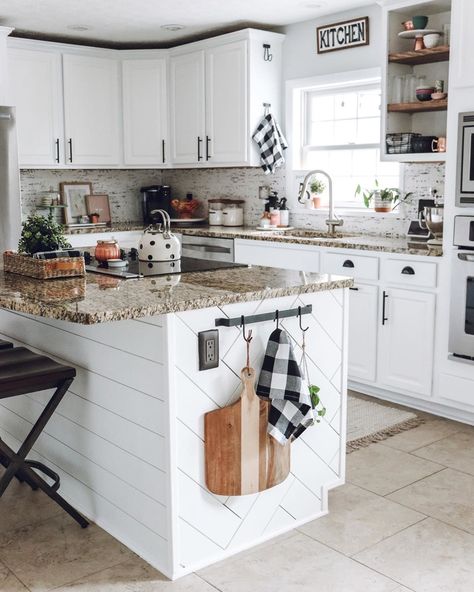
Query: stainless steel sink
[[317, 235]]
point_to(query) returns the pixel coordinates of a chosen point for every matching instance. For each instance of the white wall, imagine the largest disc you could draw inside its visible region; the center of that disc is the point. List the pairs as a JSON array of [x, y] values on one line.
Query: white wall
[[300, 59]]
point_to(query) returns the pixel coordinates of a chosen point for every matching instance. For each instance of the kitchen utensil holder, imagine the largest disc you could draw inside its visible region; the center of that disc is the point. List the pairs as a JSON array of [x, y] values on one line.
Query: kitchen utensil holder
[[267, 316]]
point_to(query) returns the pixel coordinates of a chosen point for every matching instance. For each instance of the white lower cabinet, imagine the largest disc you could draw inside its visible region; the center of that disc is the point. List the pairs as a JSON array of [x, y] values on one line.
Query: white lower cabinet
[[407, 340], [363, 326]]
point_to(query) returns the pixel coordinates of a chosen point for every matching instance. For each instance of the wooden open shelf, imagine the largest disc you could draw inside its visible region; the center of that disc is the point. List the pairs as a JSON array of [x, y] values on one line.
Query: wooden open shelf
[[418, 106], [422, 56]]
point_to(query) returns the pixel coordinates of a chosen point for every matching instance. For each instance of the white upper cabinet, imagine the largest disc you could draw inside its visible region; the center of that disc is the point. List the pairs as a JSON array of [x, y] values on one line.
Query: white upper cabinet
[[35, 87], [226, 103], [91, 110], [187, 108], [145, 111], [462, 40]]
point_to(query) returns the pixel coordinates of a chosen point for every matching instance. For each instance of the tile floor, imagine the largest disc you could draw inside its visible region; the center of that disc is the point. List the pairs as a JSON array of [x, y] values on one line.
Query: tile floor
[[403, 522]]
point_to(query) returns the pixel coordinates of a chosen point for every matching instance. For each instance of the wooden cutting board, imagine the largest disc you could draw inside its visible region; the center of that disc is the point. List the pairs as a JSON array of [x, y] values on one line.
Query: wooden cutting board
[[241, 458]]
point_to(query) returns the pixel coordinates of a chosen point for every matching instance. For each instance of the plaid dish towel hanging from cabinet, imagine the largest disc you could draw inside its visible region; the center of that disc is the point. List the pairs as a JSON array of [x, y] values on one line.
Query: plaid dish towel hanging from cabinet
[[271, 143], [281, 381]]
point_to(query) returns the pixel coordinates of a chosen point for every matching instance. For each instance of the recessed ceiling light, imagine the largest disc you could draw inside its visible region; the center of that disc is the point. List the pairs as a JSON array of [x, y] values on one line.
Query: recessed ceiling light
[[172, 27], [78, 27]]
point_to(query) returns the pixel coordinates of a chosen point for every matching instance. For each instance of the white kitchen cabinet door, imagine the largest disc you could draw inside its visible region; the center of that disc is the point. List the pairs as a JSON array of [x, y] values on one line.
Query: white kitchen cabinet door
[[462, 44], [91, 106], [363, 327], [407, 341], [187, 96], [227, 133], [35, 78], [144, 111]]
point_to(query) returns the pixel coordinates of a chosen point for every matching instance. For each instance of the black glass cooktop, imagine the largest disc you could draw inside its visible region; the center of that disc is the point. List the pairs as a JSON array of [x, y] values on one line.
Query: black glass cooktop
[[136, 269]]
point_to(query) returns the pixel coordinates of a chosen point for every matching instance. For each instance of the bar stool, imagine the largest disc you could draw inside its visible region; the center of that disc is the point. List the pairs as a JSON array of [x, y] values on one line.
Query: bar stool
[[21, 372]]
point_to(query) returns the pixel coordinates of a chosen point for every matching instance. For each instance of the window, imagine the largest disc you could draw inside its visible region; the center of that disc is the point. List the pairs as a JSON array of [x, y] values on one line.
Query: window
[[341, 135]]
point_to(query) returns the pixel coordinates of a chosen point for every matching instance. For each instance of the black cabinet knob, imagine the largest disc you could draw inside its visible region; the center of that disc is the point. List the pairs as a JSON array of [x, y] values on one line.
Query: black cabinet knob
[[408, 270], [348, 263]]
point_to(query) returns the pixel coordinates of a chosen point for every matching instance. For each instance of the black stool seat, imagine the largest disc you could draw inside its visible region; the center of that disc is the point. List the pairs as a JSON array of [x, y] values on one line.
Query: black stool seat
[[5, 344], [22, 371]]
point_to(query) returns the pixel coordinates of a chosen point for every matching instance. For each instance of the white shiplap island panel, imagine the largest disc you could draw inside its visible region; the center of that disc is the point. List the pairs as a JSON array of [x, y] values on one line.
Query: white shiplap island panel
[[127, 439]]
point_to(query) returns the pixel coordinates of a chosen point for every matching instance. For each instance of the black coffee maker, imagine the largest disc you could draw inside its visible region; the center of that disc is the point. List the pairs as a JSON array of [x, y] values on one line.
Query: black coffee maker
[[155, 197]]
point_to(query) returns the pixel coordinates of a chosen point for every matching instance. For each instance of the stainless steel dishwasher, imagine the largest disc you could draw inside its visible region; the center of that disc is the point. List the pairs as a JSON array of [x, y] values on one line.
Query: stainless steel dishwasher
[[206, 247]]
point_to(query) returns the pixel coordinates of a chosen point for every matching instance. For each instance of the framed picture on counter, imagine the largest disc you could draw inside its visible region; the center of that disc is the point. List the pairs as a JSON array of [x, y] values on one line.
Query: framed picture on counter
[[73, 195], [99, 204]]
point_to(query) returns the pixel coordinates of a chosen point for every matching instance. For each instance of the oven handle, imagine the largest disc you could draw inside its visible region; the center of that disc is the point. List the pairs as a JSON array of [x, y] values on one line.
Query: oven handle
[[466, 257], [207, 248]]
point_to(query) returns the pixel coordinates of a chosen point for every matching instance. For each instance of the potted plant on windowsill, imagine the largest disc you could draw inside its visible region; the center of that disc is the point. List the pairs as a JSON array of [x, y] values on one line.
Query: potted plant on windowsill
[[384, 199], [40, 233], [316, 187]]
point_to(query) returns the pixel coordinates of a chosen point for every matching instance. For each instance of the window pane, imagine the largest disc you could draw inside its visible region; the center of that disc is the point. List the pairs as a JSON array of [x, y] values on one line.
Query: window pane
[[369, 103], [345, 132], [368, 131], [365, 162], [345, 106], [322, 133], [322, 107]]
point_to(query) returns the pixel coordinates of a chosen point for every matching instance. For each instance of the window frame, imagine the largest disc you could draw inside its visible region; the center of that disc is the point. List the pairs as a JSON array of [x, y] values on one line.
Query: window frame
[[297, 93]]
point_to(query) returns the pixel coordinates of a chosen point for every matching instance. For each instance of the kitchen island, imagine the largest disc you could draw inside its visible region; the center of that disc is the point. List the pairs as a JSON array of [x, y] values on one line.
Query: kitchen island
[[128, 439]]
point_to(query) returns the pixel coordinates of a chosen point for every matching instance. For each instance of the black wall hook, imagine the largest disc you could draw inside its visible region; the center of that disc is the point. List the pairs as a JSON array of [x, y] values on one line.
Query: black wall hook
[[277, 318], [267, 56], [299, 320]]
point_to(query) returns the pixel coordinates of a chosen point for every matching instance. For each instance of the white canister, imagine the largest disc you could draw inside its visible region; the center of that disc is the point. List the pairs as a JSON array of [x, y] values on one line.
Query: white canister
[[233, 215], [215, 217]]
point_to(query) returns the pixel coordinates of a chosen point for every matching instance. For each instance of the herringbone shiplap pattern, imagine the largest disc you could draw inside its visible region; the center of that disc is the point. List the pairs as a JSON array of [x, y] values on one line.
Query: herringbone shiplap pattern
[[211, 525]]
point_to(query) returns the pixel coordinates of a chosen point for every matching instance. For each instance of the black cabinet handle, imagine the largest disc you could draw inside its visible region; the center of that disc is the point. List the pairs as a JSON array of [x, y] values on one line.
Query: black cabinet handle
[[57, 149], [348, 263], [199, 149], [208, 139], [384, 318], [70, 149], [163, 151], [354, 289], [408, 270]]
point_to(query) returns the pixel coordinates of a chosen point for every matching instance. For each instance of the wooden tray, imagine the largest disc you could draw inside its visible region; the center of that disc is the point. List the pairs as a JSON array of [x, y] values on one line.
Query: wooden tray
[[43, 269]]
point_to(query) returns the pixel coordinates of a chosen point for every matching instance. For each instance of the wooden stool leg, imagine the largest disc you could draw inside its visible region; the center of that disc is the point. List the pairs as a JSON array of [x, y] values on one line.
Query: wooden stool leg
[[17, 461]]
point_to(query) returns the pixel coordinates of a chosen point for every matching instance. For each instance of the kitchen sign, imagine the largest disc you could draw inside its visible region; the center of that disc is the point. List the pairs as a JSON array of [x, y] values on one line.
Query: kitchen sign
[[343, 35]]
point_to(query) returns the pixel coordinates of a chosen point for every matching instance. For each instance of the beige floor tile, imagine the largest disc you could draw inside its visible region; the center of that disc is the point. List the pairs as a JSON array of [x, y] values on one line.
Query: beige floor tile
[[299, 563], [455, 451], [382, 470], [358, 519], [58, 551], [20, 506], [136, 576], [428, 557], [447, 496], [426, 433], [8, 582]]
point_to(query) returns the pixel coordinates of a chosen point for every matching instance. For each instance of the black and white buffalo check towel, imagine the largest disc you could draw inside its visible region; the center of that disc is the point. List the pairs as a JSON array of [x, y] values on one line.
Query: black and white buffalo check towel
[[271, 143], [281, 381]]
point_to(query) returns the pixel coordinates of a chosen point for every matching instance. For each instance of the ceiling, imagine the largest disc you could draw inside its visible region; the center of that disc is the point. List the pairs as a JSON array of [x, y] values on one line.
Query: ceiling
[[137, 23]]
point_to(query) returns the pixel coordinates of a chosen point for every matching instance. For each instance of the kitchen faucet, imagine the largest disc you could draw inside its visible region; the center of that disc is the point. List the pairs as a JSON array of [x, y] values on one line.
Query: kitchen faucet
[[333, 221]]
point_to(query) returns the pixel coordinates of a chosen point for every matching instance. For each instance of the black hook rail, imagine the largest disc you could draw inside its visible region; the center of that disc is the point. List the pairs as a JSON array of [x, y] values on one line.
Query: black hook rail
[[266, 316]]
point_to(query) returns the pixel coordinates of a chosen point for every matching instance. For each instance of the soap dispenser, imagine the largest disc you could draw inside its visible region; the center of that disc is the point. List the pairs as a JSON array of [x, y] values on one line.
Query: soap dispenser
[[284, 213]]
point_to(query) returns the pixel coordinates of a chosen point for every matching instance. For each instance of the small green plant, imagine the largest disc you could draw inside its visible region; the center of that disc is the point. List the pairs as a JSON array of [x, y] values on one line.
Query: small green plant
[[317, 187], [392, 195], [41, 233], [316, 401]]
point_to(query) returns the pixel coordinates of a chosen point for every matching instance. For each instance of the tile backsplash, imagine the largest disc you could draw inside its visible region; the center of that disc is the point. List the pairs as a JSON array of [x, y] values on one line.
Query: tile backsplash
[[123, 188]]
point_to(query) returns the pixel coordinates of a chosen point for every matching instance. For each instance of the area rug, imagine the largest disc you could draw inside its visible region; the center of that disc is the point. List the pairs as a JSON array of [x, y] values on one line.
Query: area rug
[[369, 422]]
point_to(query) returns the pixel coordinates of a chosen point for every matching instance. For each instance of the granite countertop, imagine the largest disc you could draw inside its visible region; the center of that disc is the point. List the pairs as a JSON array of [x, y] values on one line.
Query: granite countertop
[[98, 299], [360, 242]]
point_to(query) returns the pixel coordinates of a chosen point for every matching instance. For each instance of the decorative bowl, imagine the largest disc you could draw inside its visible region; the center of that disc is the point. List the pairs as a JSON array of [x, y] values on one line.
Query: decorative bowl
[[419, 22], [408, 25], [431, 40], [424, 94], [439, 96]]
